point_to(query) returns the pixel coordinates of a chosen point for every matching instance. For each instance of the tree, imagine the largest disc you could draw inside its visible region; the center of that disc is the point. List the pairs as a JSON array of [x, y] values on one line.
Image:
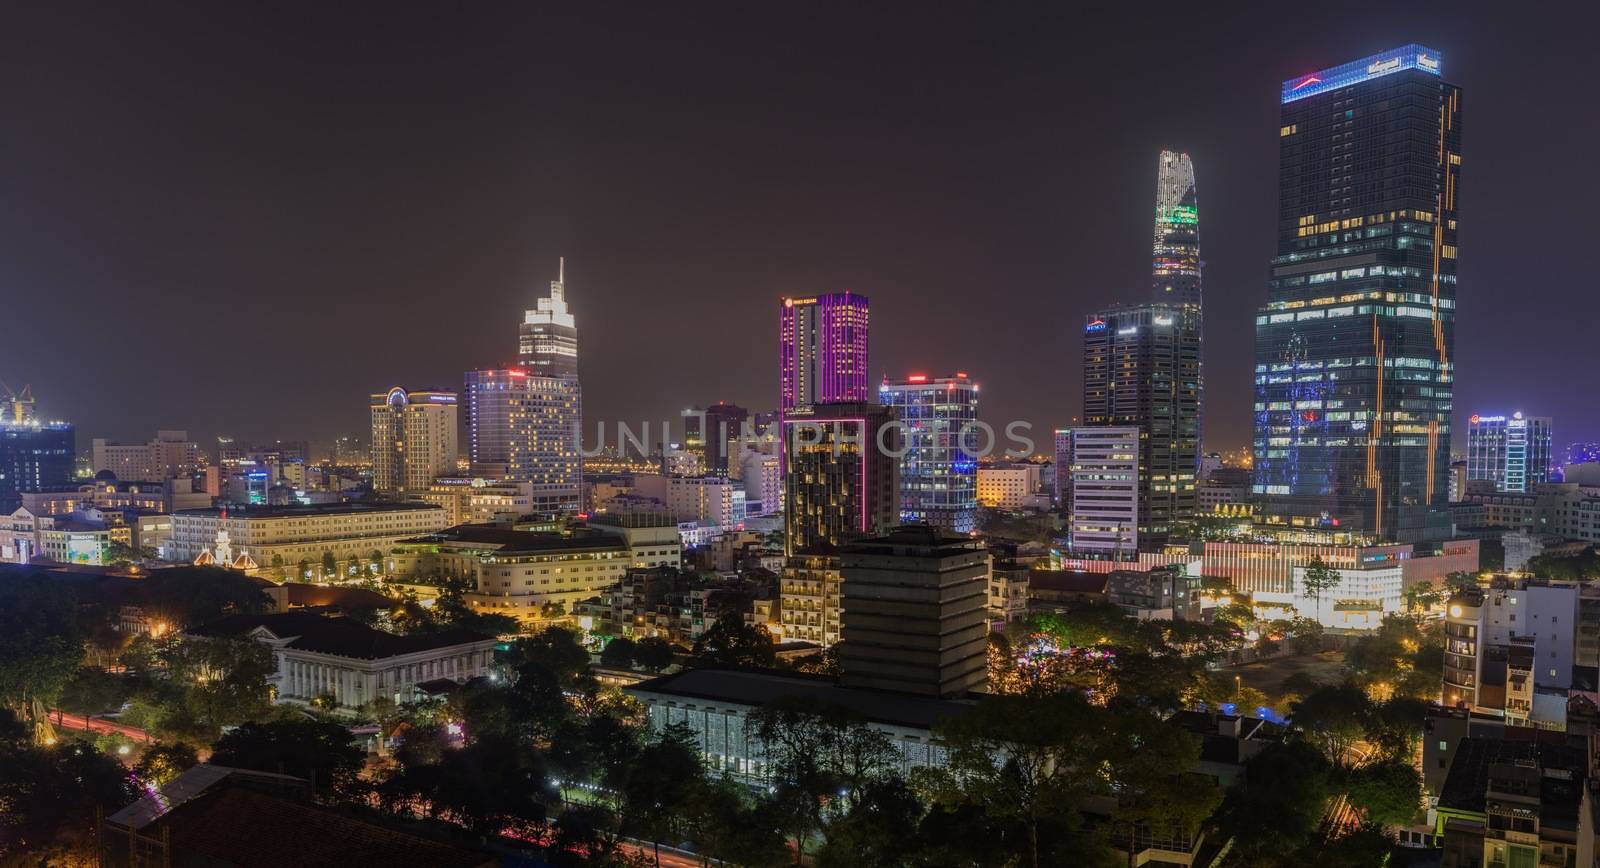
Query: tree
[[1334, 719], [661, 785], [724, 826], [1388, 791], [1022, 760], [881, 828], [277, 571], [653, 654], [224, 680], [486, 784], [160, 763], [557, 650], [1319, 578], [49, 795], [375, 561], [181, 597], [1280, 806], [618, 653], [1461, 580], [330, 565], [1395, 726], [303, 569], [352, 565], [94, 691], [1146, 766], [316, 750], [732, 642], [41, 645]]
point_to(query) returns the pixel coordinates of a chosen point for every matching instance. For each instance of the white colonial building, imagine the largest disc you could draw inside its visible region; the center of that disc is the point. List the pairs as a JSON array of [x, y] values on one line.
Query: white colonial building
[[335, 657]]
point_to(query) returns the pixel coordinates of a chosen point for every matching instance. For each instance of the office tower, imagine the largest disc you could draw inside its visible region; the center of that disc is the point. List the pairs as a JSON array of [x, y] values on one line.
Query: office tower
[[490, 396], [823, 341], [545, 416], [413, 440], [839, 480], [1141, 368], [1355, 346], [1512, 451], [1104, 485], [707, 431], [169, 455], [1063, 468], [938, 478], [548, 338], [34, 455], [913, 605], [762, 476], [1176, 260]]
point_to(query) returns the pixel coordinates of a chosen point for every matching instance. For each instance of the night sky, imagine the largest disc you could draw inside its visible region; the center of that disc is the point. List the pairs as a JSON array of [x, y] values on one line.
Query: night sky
[[243, 220]]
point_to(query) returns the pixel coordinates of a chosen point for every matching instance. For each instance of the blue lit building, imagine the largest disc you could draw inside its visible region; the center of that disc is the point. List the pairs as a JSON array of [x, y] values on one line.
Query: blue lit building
[[33, 456], [938, 480], [1355, 346], [1513, 452]]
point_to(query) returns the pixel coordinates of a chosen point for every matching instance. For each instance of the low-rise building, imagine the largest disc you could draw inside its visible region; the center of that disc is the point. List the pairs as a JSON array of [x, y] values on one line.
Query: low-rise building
[[1515, 802], [1011, 486], [288, 535], [476, 500], [351, 664], [106, 492], [528, 575], [65, 539]]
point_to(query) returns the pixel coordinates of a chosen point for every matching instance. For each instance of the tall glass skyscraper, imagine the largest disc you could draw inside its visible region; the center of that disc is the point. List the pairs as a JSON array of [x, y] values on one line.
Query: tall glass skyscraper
[[938, 481], [1175, 263], [1355, 345], [823, 350]]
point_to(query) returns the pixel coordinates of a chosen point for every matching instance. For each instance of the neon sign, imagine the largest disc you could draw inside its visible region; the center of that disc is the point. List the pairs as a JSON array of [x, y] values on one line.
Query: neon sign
[[1387, 63], [1098, 325]]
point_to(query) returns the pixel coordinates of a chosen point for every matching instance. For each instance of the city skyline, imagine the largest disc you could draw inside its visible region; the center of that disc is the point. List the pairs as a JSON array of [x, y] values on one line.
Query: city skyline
[[639, 282]]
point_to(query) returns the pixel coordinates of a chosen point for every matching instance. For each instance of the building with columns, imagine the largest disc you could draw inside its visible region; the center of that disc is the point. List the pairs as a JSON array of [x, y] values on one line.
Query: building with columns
[[336, 657]]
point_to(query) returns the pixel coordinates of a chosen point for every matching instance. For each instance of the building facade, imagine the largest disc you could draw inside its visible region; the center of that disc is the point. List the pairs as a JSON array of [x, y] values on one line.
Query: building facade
[[170, 454], [1008, 486], [938, 472], [840, 474], [915, 613], [823, 350], [810, 606], [1141, 368], [1512, 452], [1103, 509], [288, 535], [34, 456], [547, 342], [1355, 347], [546, 417], [528, 575], [413, 440]]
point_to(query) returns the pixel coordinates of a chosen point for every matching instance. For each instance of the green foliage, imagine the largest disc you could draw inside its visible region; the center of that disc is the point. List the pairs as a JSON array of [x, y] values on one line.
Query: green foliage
[[1277, 811], [1582, 566], [316, 750], [1389, 791], [95, 691], [161, 763], [41, 643], [732, 642], [619, 653], [661, 784], [48, 797], [183, 597], [330, 564], [1334, 719], [557, 650], [653, 654], [1319, 579], [1403, 657]]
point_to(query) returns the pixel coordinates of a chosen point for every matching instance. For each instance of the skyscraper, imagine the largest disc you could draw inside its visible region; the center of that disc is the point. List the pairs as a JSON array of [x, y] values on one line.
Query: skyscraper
[[938, 481], [33, 455], [490, 395], [548, 339], [1175, 268], [546, 413], [1355, 346], [413, 440], [838, 483], [1512, 451], [1141, 369], [708, 431], [1104, 498], [823, 344]]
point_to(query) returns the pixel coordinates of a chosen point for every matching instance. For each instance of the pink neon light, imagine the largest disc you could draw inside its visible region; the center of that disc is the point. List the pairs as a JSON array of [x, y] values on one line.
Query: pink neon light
[[1310, 80]]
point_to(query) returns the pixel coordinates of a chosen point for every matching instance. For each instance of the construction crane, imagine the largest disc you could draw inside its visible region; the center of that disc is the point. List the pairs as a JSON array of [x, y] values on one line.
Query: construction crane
[[18, 407]]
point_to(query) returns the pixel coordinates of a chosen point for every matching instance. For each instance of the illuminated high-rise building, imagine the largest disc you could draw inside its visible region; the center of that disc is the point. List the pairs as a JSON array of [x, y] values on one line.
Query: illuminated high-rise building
[[1513, 452], [839, 480], [548, 339], [1355, 347], [823, 345], [1141, 369], [34, 455], [523, 428], [1175, 270], [490, 396], [413, 440], [938, 479]]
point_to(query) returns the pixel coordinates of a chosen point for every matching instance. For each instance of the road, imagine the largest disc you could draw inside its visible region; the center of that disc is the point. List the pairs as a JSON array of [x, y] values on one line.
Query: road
[[93, 724]]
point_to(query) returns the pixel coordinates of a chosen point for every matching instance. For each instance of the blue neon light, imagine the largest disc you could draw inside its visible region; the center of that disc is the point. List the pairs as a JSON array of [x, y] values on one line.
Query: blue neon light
[[1098, 325], [1411, 56]]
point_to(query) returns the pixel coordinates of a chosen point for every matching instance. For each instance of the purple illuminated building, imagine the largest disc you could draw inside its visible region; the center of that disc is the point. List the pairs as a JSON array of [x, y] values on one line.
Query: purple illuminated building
[[824, 350]]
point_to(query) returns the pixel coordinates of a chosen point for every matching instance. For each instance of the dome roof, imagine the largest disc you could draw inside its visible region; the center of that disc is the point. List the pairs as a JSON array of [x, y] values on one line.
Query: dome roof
[[105, 476]]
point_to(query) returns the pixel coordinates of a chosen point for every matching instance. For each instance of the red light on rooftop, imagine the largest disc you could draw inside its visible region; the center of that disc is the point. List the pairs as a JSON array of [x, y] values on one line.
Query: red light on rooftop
[[961, 374], [917, 378]]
